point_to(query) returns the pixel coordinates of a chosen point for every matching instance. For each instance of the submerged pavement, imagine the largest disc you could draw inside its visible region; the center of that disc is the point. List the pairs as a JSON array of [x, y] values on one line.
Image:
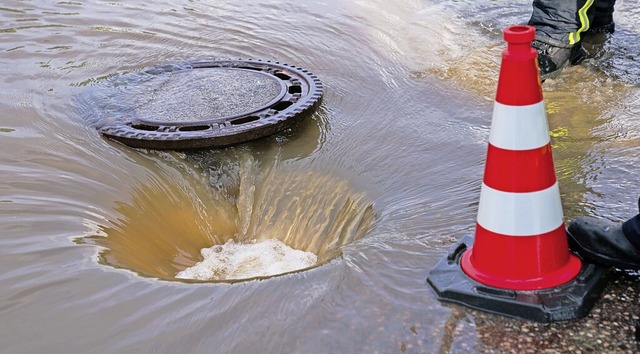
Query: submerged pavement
[[609, 327]]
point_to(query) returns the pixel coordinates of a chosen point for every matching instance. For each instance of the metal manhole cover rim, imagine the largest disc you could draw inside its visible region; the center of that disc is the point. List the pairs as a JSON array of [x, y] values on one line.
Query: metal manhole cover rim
[[217, 133]]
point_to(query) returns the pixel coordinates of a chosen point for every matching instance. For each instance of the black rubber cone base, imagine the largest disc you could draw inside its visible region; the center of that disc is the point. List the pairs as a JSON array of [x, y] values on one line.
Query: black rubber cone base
[[567, 302]]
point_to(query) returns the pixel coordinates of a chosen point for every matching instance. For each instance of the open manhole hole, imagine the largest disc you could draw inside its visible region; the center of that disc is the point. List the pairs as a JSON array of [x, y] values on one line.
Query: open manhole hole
[[284, 221], [206, 104]]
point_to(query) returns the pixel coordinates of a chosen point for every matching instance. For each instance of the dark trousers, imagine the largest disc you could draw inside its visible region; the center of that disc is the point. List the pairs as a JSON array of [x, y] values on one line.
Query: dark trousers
[[562, 22], [631, 229]]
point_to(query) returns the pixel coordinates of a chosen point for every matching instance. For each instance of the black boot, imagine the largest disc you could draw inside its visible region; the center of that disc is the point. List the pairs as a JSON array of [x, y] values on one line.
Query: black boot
[[552, 59], [604, 243]]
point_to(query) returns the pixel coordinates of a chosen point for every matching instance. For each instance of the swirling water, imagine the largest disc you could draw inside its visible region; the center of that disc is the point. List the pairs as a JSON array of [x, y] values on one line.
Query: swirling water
[[92, 233]]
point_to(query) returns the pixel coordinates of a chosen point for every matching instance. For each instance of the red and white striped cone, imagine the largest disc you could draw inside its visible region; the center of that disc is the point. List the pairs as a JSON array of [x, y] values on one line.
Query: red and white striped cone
[[520, 240], [519, 264]]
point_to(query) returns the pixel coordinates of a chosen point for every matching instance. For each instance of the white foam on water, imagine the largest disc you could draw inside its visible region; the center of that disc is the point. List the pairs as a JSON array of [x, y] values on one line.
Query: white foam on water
[[247, 260]]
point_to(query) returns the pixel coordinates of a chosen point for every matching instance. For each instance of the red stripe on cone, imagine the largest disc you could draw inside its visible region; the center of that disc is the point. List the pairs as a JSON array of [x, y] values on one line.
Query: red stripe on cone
[[511, 92], [522, 86], [520, 263], [537, 255], [519, 170]]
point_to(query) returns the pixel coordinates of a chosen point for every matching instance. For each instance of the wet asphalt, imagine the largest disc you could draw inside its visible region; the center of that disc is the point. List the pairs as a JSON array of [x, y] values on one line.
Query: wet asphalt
[[610, 326]]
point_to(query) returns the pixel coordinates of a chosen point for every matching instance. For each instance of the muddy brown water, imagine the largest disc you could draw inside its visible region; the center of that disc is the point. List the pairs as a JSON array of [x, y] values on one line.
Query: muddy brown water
[[379, 182]]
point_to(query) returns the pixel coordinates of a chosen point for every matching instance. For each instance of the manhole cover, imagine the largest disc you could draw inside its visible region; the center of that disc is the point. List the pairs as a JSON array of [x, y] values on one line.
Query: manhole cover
[[207, 104]]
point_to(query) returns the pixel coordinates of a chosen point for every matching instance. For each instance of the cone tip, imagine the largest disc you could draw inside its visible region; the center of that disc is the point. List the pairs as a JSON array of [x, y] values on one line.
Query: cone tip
[[519, 34]]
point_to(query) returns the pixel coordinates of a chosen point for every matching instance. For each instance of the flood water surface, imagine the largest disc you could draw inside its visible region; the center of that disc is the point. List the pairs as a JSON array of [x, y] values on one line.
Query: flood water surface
[[377, 184]]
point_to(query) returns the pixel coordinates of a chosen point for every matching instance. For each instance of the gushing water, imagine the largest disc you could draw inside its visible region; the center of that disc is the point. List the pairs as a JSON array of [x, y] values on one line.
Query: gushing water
[[237, 261]]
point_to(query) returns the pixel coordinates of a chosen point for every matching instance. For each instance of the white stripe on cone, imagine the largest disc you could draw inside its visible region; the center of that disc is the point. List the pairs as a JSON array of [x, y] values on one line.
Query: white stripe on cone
[[520, 214], [519, 127]]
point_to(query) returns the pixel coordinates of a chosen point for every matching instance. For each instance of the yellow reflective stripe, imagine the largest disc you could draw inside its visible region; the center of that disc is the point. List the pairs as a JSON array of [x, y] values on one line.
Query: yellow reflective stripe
[[584, 21]]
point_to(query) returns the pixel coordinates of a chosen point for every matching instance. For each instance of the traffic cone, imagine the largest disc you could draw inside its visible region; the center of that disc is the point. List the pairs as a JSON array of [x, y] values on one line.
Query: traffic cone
[[520, 240], [519, 263]]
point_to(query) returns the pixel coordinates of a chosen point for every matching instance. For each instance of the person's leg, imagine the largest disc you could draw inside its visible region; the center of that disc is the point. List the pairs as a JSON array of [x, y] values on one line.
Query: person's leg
[[560, 22], [631, 229], [606, 243], [560, 26], [602, 21]]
